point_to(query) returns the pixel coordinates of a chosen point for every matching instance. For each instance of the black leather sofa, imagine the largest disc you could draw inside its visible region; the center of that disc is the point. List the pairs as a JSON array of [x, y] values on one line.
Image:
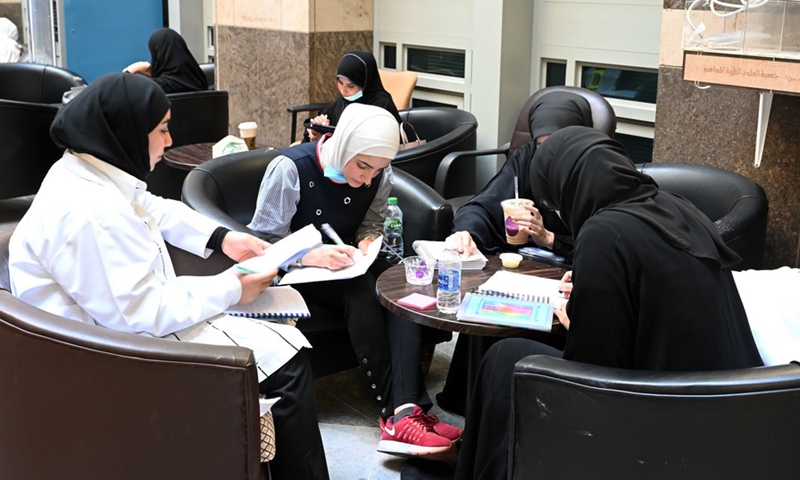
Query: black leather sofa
[[737, 205], [226, 188], [575, 420]]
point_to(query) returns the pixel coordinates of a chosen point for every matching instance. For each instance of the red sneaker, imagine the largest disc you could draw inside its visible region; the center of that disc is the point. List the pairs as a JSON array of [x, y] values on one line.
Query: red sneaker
[[442, 429], [411, 435]]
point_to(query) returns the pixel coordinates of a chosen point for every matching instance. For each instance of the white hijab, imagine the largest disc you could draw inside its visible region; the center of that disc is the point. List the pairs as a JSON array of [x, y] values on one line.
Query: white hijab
[[362, 129], [10, 50]]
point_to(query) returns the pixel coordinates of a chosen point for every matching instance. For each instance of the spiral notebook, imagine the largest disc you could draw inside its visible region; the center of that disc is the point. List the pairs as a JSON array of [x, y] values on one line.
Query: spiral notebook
[[274, 303], [523, 287], [505, 311]]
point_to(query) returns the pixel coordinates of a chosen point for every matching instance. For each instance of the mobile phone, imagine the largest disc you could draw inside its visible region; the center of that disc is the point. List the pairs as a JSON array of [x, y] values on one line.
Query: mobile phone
[[542, 255], [320, 128]]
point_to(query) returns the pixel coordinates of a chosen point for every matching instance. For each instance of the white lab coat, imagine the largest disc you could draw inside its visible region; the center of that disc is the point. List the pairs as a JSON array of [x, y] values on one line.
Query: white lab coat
[[91, 247]]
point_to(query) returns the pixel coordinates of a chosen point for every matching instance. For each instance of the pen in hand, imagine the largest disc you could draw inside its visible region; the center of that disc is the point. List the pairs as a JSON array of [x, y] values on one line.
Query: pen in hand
[[331, 233]]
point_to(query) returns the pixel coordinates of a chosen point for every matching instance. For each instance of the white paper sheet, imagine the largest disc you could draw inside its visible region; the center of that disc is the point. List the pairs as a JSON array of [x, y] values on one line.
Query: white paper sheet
[[318, 274]]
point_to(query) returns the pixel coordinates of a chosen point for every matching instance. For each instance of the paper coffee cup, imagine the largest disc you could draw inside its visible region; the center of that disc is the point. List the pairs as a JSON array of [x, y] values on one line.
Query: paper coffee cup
[[248, 132], [515, 207]]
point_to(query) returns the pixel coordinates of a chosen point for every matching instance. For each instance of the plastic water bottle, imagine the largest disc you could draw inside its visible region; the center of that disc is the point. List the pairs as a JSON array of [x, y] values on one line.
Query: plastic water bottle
[[393, 232], [448, 295]]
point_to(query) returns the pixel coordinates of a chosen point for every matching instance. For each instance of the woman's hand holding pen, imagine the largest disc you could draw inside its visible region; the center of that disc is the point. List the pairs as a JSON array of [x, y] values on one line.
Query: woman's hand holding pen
[[332, 257], [253, 284], [565, 286]]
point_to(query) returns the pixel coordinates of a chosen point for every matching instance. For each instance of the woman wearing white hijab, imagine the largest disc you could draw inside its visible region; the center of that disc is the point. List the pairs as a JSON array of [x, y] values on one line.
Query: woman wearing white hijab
[[10, 50], [344, 180]]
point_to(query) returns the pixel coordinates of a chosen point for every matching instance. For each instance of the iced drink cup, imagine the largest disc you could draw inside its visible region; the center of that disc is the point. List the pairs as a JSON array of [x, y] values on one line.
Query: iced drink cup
[[515, 207]]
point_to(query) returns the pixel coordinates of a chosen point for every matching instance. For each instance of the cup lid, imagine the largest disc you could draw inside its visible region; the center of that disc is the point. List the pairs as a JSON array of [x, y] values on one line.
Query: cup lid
[[248, 125]]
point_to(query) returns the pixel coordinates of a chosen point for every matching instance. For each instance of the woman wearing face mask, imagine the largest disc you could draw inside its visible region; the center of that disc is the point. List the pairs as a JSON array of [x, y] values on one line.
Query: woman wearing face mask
[[172, 65], [344, 180], [358, 81], [92, 248]]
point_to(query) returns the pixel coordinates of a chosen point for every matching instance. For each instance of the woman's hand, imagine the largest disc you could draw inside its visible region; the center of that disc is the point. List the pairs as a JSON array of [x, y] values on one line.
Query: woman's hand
[[332, 257], [533, 225], [240, 246], [464, 242], [314, 135], [364, 244], [253, 284], [565, 286], [561, 314], [142, 68]]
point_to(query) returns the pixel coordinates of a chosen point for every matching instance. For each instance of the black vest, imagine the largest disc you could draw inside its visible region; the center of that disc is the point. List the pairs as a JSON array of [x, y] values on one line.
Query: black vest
[[323, 201]]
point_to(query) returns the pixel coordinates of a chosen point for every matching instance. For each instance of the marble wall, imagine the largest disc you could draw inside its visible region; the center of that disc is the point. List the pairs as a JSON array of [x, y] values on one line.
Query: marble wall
[[717, 126], [13, 11], [277, 53]]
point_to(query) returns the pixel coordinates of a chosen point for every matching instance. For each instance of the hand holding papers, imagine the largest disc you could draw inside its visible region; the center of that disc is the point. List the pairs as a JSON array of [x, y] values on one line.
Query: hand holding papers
[[317, 274], [284, 252]]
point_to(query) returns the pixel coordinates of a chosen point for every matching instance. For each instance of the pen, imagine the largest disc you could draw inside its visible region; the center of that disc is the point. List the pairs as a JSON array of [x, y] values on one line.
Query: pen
[[331, 233]]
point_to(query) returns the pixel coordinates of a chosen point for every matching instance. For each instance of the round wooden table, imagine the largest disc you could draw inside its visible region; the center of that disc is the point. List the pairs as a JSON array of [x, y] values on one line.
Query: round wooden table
[[392, 286]]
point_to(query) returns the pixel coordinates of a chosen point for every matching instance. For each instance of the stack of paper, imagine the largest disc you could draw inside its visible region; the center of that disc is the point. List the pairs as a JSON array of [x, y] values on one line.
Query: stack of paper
[[433, 249]]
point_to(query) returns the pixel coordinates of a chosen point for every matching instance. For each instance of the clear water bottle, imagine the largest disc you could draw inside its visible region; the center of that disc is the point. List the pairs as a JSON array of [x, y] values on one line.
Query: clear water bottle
[[393, 232], [448, 295]]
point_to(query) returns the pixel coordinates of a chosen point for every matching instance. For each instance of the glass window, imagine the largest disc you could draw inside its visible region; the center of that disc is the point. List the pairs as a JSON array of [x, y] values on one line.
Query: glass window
[[419, 102], [640, 149], [634, 85], [437, 62], [555, 74], [390, 56]]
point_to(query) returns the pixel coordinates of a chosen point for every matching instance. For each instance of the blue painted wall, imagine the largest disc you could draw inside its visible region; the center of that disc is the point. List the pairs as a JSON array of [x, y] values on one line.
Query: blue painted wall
[[104, 36]]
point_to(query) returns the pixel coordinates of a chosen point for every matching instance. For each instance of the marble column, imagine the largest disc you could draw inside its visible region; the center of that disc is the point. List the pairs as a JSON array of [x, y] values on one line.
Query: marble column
[[12, 10], [272, 54], [717, 126]]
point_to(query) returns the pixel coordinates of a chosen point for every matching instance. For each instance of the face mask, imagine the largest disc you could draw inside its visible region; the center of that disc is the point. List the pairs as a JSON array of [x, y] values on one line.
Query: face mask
[[355, 96], [330, 172]]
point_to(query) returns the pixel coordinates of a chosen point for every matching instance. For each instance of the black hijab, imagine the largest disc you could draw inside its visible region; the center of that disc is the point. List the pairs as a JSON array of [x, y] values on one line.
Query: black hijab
[[172, 65], [482, 215], [111, 120], [362, 69], [557, 110], [581, 171]]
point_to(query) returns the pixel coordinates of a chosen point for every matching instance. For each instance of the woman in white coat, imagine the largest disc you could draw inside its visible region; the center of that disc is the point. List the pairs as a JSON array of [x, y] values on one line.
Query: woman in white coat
[[92, 248]]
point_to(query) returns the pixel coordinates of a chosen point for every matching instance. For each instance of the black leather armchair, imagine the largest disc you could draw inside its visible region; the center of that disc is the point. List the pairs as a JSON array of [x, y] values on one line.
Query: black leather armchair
[[36, 83], [208, 70], [574, 420], [82, 401], [737, 205], [197, 117], [226, 189], [603, 119], [445, 130], [27, 151]]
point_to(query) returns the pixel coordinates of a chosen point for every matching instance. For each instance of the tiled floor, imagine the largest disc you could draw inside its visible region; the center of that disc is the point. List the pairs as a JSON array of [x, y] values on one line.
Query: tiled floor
[[349, 425]]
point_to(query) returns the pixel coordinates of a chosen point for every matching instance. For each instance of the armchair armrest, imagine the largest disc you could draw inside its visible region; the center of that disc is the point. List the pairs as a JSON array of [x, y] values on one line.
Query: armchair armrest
[[307, 107], [444, 175], [428, 217]]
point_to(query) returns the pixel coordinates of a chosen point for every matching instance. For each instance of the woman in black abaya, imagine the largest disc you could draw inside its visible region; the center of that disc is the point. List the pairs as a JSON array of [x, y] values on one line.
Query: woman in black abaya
[[358, 81], [172, 65], [652, 287], [481, 220]]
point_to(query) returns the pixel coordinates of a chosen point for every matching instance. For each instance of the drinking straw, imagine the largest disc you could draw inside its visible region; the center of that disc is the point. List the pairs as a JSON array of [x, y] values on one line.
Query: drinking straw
[[516, 187]]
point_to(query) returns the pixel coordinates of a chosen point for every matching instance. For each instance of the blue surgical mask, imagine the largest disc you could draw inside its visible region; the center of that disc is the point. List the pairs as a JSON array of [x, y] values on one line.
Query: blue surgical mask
[[355, 96], [330, 172]]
